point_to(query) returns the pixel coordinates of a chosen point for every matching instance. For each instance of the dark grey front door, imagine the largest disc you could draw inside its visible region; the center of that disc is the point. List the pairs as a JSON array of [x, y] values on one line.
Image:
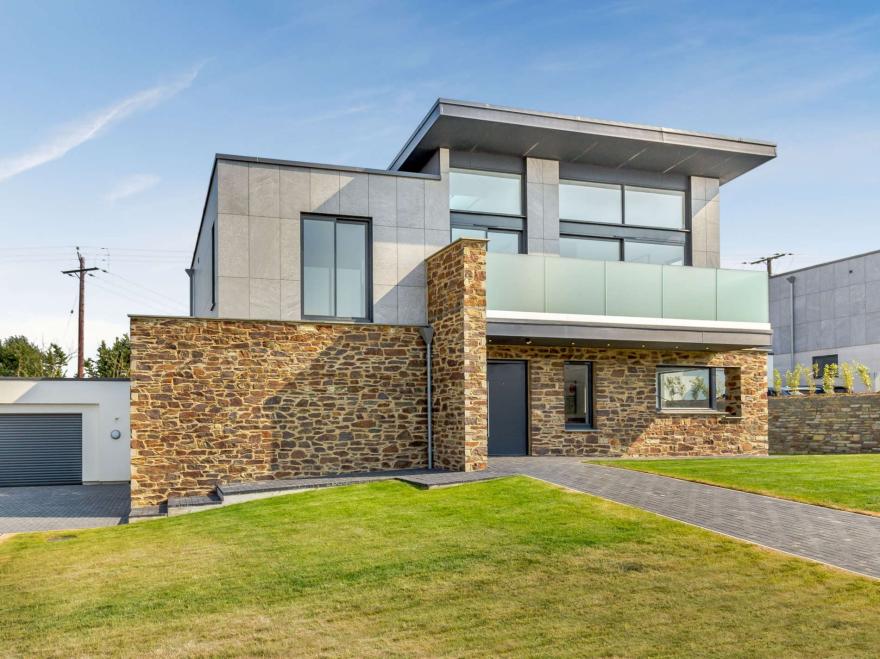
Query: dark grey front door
[[508, 408]]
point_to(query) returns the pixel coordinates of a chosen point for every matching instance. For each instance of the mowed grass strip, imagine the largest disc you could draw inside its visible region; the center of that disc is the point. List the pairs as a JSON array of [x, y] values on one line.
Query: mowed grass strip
[[512, 566], [848, 482]]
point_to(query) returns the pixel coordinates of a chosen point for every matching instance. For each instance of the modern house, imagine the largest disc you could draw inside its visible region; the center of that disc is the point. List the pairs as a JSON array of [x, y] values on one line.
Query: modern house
[[830, 313], [568, 270]]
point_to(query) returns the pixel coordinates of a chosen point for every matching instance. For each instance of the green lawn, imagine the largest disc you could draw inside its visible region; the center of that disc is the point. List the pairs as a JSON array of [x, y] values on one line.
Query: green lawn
[[850, 482], [510, 566]]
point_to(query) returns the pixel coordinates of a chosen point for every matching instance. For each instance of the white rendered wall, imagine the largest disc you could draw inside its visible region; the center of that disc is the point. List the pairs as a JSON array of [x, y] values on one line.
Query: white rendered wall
[[104, 405]]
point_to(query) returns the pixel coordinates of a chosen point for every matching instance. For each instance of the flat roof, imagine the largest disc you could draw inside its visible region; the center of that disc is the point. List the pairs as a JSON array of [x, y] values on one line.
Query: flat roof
[[824, 263], [468, 126]]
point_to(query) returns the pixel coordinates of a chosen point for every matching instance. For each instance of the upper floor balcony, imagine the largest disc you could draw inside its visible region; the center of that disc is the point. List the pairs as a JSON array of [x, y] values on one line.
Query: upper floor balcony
[[555, 299]]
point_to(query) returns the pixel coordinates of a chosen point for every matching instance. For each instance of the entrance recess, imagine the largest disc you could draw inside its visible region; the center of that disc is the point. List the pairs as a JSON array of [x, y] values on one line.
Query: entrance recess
[[508, 408]]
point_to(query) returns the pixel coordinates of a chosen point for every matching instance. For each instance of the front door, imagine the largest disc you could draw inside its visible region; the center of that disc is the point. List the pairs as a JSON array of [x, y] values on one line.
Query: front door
[[508, 408]]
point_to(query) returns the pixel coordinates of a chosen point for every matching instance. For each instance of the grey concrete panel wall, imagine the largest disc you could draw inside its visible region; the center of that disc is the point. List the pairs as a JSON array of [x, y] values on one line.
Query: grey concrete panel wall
[[259, 234], [203, 257], [836, 306], [542, 206], [705, 221]]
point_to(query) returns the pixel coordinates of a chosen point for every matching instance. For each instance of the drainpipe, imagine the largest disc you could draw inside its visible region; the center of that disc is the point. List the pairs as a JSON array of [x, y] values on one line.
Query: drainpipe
[[791, 280], [428, 336]]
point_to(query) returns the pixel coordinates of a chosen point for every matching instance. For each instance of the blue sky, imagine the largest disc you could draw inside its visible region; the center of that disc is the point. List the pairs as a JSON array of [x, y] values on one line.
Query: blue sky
[[112, 112]]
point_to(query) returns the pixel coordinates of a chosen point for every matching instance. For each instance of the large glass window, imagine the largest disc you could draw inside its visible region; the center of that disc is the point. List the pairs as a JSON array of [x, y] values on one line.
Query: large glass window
[[656, 253], [485, 192], [594, 249], [692, 387], [335, 268], [650, 223], [590, 202], [654, 208], [578, 395], [507, 242]]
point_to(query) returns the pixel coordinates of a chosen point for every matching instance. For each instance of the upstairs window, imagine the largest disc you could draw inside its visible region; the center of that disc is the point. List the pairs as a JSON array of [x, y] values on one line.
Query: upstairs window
[[505, 242], [497, 193], [615, 222], [590, 202], [650, 207], [335, 268]]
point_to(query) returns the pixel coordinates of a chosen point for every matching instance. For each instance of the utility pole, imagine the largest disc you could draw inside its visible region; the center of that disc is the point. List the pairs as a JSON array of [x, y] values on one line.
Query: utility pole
[[768, 260], [81, 273]]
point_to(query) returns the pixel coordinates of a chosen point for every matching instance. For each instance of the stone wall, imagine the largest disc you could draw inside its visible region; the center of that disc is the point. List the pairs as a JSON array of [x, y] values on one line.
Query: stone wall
[[626, 417], [217, 401], [839, 423], [457, 312]]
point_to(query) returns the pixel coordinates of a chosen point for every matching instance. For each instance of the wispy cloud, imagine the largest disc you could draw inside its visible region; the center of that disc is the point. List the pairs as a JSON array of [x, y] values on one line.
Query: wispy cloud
[[87, 128], [131, 185]]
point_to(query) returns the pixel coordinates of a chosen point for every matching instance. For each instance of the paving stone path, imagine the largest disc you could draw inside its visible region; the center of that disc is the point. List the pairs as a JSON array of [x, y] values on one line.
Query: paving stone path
[[60, 507], [847, 540]]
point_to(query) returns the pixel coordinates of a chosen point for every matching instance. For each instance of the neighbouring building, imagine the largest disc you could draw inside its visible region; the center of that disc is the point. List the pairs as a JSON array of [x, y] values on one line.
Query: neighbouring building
[[830, 313], [569, 270]]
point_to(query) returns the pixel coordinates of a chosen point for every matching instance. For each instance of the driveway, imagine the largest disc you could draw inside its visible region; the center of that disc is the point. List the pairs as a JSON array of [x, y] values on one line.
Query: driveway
[[842, 539], [59, 507]]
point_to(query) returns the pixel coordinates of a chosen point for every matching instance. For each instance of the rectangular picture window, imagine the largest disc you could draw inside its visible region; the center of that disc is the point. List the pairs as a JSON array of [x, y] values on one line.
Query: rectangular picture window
[[335, 268], [578, 395], [485, 192], [682, 388], [651, 207], [590, 202]]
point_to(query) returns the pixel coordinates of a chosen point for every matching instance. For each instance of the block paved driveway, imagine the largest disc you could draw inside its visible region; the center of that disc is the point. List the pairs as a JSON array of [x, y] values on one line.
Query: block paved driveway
[[59, 507], [846, 540]]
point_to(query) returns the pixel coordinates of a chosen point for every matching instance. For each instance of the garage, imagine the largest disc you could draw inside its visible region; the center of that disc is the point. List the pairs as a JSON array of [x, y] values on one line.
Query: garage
[[40, 449], [64, 431]]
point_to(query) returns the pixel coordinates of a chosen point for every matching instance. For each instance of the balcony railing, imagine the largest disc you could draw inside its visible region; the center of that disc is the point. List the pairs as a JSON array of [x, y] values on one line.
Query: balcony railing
[[552, 284]]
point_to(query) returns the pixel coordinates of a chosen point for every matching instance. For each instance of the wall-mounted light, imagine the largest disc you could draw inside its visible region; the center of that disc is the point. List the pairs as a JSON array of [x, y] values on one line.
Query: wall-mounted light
[[115, 434]]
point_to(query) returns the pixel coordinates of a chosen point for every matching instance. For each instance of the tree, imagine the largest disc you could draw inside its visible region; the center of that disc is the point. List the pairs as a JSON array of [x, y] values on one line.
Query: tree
[[21, 358], [113, 361]]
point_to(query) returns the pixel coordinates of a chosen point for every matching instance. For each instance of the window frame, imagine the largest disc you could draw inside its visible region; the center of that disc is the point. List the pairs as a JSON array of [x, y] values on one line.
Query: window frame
[[368, 265], [711, 400], [590, 423], [460, 219], [623, 231], [213, 266]]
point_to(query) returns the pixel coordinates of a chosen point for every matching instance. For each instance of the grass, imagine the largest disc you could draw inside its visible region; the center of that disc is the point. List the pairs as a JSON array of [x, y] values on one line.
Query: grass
[[510, 566], [848, 482]]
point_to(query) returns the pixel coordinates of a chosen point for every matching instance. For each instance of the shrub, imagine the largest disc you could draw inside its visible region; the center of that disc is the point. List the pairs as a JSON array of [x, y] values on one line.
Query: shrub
[[848, 377], [828, 378], [777, 381], [864, 375]]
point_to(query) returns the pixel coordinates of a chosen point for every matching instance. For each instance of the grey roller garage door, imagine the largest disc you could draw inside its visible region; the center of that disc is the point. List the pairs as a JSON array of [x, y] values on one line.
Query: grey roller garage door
[[40, 449]]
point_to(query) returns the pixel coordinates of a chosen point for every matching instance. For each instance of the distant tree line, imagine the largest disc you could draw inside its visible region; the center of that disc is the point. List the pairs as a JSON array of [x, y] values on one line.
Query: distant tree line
[[20, 357]]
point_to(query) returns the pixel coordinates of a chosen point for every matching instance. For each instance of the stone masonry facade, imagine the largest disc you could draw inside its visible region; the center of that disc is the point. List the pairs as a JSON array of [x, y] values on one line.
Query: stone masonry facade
[[627, 421], [821, 424], [457, 312], [218, 401]]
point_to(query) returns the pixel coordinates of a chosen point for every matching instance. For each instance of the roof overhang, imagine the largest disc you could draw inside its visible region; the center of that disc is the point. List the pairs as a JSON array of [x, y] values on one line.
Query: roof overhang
[[468, 126], [619, 331]]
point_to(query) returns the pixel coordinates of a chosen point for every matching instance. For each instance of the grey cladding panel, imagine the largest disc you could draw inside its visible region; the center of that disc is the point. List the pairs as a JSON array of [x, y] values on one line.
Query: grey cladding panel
[[40, 449]]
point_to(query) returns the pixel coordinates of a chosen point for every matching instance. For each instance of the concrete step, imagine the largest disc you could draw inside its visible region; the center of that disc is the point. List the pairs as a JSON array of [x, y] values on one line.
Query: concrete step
[[185, 505]]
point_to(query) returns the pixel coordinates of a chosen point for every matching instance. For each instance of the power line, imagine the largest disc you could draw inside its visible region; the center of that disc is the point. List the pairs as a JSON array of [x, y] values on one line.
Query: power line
[[768, 260]]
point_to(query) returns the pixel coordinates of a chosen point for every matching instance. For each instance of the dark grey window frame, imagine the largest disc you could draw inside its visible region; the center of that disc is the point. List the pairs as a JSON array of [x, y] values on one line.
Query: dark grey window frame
[[339, 219], [213, 265], [591, 420], [633, 232], [711, 401]]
